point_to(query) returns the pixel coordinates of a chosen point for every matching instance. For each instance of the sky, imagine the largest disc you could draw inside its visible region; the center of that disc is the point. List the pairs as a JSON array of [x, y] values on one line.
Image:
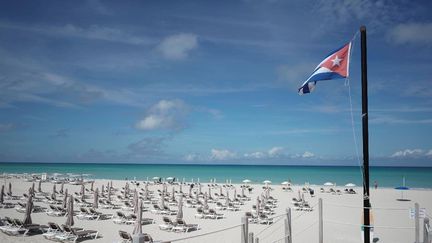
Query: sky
[[212, 82]]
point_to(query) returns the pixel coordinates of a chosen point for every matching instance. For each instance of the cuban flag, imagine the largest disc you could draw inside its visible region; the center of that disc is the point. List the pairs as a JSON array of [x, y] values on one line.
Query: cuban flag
[[334, 66]]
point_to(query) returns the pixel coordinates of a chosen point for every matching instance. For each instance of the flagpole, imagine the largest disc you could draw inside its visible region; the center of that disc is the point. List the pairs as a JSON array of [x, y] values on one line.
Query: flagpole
[[365, 132]]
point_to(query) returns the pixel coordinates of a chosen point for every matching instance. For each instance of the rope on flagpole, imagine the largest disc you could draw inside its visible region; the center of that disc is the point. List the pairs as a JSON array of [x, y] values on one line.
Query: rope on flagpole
[[347, 83]]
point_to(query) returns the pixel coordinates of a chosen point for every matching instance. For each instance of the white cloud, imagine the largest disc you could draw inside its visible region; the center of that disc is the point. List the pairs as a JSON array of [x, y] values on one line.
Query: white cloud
[[178, 46], [166, 114], [255, 155], [275, 152], [222, 154], [408, 153], [411, 33], [193, 157], [375, 15], [308, 154], [429, 153]]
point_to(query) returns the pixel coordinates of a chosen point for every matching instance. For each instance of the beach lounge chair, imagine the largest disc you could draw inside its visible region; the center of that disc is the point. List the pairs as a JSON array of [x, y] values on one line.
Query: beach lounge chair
[[53, 231], [6, 224], [220, 206], [252, 218], [127, 206], [125, 237], [82, 202], [156, 209], [182, 226], [105, 204], [264, 219], [74, 234], [27, 228], [232, 207], [212, 214], [55, 211], [7, 205], [168, 211], [123, 219], [167, 224], [144, 221], [148, 239], [200, 213]]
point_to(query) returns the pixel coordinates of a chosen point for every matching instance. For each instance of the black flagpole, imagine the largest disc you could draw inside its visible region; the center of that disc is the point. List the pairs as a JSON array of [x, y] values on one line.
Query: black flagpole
[[366, 203]]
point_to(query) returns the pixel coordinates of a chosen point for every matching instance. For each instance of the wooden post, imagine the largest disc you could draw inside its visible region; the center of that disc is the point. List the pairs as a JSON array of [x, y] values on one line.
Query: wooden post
[[244, 230], [425, 230], [320, 221], [251, 238], [288, 231], [417, 223]]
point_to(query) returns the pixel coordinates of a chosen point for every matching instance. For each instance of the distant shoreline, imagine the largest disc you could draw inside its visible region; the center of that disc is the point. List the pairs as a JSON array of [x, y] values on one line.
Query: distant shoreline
[[213, 164], [389, 177]]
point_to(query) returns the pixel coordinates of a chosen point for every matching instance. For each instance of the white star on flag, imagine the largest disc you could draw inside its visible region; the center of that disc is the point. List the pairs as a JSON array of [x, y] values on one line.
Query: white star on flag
[[336, 61]]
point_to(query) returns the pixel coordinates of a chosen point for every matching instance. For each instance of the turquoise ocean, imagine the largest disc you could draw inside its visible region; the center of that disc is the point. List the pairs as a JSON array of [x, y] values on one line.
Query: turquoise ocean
[[415, 177]]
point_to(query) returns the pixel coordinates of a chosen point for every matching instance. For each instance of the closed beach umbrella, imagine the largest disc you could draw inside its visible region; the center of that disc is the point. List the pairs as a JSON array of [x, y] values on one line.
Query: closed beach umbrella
[[53, 195], [62, 187], [109, 194], [29, 208], [126, 190], [205, 204], [137, 228], [299, 195], [103, 190], [190, 191], [257, 205], [135, 202], [235, 193], [243, 194], [91, 187], [181, 188], [2, 195], [146, 192], [65, 198], [180, 208], [39, 186], [70, 220], [10, 189], [173, 194], [163, 200], [209, 193], [33, 189], [227, 198], [220, 190], [303, 198], [82, 191], [96, 199], [200, 186]]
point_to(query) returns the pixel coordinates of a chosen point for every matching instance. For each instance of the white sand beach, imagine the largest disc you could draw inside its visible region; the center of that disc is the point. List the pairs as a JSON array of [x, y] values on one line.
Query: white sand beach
[[342, 215]]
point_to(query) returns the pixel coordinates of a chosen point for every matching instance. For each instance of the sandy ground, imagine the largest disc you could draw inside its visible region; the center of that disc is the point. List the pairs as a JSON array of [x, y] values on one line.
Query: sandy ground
[[342, 214]]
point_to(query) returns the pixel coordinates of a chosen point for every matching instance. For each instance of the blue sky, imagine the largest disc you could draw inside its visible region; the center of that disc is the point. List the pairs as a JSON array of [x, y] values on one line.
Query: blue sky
[[211, 81]]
